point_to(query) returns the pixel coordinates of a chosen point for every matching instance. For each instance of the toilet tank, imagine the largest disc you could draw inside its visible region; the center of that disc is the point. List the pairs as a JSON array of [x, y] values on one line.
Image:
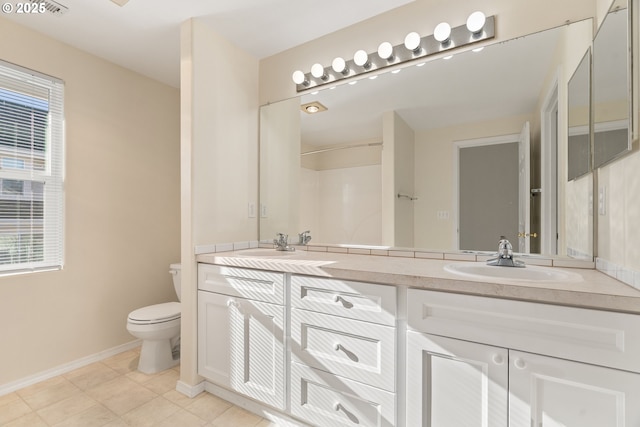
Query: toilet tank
[[175, 271]]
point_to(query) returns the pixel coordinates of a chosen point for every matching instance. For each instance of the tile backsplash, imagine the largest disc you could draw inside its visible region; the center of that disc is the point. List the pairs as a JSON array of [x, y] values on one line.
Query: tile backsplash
[[623, 274], [407, 253]]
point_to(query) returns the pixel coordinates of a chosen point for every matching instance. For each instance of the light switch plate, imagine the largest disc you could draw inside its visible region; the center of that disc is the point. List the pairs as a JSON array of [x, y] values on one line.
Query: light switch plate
[[602, 200]]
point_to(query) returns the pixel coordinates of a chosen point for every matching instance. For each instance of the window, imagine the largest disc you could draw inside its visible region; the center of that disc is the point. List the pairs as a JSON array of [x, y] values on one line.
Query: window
[[31, 170]]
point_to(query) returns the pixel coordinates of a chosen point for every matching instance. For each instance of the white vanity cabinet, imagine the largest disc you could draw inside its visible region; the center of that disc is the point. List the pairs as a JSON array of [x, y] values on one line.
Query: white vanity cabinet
[[241, 331], [343, 348], [477, 361]]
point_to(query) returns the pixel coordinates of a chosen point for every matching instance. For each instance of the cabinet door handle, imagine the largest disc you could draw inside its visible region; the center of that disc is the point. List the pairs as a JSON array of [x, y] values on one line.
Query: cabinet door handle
[[232, 303], [519, 363], [498, 359]]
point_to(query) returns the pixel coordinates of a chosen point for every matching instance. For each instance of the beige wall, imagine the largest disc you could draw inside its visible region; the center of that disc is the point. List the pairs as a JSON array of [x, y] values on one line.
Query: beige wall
[[280, 173], [219, 158], [121, 212], [399, 154]]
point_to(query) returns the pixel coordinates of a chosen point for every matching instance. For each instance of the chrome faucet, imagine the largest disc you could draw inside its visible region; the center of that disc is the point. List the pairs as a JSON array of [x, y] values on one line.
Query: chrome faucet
[[505, 255], [304, 237], [281, 243]]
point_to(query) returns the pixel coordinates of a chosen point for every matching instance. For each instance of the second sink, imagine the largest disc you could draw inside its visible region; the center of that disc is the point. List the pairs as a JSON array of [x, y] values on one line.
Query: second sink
[[530, 273]]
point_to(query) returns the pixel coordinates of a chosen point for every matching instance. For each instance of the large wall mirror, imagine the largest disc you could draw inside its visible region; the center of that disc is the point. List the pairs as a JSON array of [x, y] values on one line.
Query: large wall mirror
[[612, 86], [446, 155]]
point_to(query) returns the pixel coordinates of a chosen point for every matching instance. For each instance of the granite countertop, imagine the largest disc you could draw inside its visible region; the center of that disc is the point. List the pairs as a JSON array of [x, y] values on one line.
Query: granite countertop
[[588, 289]]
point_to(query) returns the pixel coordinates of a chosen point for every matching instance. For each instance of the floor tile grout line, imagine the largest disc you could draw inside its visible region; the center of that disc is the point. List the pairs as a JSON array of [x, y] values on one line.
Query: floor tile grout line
[[118, 367]]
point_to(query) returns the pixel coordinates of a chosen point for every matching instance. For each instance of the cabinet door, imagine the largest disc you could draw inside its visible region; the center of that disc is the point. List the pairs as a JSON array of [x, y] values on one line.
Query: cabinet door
[[453, 383], [213, 337], [549, 392], [241, 346]]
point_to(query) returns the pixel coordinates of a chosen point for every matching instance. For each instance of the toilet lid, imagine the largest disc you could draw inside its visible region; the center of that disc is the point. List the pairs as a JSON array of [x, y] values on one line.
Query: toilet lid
[[157, 313]]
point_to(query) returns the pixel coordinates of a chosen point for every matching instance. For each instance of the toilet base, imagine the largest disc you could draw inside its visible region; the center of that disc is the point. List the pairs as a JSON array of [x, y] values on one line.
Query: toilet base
[[156, 356]]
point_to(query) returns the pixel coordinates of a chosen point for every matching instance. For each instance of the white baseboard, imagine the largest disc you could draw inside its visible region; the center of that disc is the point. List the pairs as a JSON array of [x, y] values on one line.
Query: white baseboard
[[190, 391], [273, 415], [67, 367]]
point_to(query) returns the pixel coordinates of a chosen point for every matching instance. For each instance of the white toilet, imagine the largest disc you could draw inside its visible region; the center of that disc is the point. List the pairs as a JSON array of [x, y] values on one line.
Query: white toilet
[[158, 326]]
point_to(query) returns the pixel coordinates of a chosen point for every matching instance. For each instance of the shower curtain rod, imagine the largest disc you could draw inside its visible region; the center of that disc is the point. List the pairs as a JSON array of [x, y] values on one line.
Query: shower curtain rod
[[323, 150]]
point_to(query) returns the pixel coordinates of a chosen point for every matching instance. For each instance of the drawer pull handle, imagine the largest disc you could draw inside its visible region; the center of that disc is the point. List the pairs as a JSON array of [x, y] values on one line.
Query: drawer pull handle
[[498, 359], [519, 363], [350, 354], [345, 303], [338, 407]]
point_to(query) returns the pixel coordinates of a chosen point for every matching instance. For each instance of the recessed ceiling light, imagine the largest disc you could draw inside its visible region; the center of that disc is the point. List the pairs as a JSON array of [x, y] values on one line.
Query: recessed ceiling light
[[313, 107]]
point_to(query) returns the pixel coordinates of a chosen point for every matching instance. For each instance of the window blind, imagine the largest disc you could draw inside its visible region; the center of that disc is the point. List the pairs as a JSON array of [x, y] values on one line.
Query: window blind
[[31, 170]]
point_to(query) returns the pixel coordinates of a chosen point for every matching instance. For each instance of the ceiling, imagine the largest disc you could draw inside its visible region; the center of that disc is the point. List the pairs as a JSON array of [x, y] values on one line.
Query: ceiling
[[144, 35]]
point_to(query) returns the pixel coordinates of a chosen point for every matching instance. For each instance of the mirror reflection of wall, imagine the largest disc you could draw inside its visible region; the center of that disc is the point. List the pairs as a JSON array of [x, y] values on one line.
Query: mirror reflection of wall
[[350, 196], [579, 147], [611, 91]]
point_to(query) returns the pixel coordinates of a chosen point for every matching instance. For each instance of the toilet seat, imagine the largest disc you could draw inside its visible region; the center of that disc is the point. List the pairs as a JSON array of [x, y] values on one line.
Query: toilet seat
[[158, 313]]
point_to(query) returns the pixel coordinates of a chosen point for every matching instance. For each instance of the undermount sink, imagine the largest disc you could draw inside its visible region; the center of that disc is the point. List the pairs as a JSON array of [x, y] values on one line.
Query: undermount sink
[[531, 273]]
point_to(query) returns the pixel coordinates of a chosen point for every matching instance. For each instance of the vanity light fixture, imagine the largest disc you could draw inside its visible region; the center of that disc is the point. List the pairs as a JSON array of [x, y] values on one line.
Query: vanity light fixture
[[385, 51], [339, 65], [361, 59], [317, 71], [442, 33], [412, 42], [475, 23], [300, 79], [415, 49]]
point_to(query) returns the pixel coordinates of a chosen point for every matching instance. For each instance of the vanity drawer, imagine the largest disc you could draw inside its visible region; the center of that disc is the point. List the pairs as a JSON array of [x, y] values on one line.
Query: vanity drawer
[[591, 336], [353, 349], [256, 285], [354, 300], [323, 399]]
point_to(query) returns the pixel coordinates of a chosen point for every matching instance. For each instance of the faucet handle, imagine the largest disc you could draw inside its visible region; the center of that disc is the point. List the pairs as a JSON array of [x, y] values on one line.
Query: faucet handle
[[304, 237]]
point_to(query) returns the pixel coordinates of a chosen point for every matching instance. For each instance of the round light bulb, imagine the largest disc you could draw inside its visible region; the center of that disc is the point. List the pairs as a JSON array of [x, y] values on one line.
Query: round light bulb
[[442, 32], [475, 22], [412, 42], [385, 50], [298, 77], [312, 109], [317, 71], [361, 58], [339, 65]]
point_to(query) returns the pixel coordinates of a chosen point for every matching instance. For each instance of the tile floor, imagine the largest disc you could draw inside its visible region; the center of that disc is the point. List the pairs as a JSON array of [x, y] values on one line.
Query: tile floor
[[112, 393]]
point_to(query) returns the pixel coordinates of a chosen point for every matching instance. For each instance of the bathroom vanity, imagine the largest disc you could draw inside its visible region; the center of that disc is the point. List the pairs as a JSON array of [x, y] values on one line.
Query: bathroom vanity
[[324, 338]]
